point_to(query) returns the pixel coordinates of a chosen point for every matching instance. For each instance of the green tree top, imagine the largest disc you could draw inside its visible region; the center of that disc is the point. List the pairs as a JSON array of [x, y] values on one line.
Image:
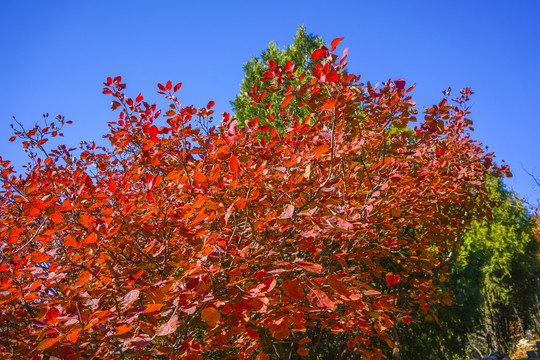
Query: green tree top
[[299, 53]]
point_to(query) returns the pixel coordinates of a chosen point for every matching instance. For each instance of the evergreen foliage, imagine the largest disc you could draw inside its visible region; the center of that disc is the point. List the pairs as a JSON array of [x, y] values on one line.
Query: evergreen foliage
[[495, 286], [298, 53]]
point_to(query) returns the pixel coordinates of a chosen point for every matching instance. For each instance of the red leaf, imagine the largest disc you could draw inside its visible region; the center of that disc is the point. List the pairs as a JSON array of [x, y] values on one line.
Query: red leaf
[[292, 289], [139, 98], [168, 86], [234, 165], [177, 87], [395, 178], [268, 284], [320, 300], [52, 314], [169, 327], [129, 298], [439, 152], [210, 104], [112, 185], [316, 268], [319, 53], [400, 84], [372, 293], [340, 223], [332, 77], [161, 87], [335, 43], [12, 138], [406, 319], [288, 65], [288, 211], [392, 279], [338, 286], [115, 105], [153, 131]]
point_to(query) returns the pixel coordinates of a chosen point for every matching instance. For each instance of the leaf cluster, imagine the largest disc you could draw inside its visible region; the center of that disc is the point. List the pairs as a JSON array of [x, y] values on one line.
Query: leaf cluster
[[184, 241]]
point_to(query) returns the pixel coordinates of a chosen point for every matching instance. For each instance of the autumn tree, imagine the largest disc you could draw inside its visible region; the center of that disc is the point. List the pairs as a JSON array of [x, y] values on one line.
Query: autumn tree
[[181, 240]]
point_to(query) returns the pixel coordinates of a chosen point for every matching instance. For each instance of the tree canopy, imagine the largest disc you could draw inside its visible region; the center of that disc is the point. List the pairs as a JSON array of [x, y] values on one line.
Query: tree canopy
[[181, 240]]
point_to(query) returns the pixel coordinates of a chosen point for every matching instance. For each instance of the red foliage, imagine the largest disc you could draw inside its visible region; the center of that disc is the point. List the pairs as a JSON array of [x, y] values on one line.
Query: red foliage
[[249, 235]]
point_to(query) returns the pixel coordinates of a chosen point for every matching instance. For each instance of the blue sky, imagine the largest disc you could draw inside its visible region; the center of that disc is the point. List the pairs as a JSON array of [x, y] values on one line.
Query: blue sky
[[56, 54]]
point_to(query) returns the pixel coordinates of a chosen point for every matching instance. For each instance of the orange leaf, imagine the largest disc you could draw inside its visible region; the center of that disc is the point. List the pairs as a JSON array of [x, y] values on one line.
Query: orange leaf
[[73, 335], [199, 177], [90, 239], [329, 104], [122, 329], [70, 241], [152, 308], [83, 278], [319, 150], [30, 188], [47, 343], [241, 203], [262, 356], [173, 175], [286, 101], [211, 316], [234, 165], [200, 217]]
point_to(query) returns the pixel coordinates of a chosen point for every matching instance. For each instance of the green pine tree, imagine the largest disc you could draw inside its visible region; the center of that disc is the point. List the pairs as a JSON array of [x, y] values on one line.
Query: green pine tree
[[299, 53]]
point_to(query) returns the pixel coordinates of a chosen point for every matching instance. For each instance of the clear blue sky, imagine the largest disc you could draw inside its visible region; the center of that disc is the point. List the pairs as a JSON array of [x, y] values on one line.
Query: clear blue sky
[[55, 55]]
